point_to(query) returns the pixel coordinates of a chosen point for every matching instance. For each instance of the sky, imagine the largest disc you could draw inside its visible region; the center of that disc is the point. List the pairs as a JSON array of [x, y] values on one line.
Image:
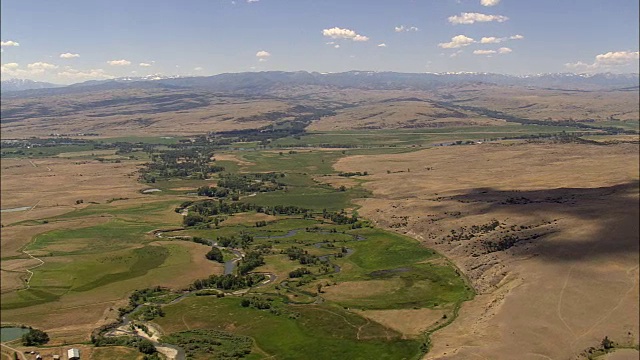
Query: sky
[[78, 40]]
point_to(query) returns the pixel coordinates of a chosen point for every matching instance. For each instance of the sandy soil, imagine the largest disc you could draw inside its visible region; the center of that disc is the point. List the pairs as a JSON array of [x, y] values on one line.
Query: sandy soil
[[572, 276]]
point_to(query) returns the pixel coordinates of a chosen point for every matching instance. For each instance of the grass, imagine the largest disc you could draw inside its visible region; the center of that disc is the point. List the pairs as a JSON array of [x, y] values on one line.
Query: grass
[[319, 332], [417, 137]]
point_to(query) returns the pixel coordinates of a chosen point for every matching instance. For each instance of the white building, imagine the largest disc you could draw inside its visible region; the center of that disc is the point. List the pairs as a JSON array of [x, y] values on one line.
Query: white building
[[73, 354]]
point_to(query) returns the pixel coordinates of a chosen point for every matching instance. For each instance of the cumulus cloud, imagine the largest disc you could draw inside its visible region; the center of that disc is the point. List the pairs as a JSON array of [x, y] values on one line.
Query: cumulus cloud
[[73, 74], [338, 33], [491, 40], [382, 45], [403, 28], [483, 52], [37, 68], [496, 40], [455, 54], [504, 50], [470, 18], [617, 58], [143, 64], [197, 68], [122, 62], [10, 66], [69, 56], [9, 43], [457, 41], [263, 55], [337, 46], [489, 2], [41, 66], [611, 61], [252, 1]]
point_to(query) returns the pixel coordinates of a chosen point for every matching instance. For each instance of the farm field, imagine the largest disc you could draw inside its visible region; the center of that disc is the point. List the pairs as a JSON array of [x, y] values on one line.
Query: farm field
[[357, 251]]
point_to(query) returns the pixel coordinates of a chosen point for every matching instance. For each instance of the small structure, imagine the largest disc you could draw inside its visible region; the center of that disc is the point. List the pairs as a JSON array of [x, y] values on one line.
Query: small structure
[[38, 357], [56, 357], [73, 354]]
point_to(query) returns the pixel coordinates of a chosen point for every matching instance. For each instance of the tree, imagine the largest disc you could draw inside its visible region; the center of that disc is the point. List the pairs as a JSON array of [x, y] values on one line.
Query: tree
[[215, 255], [607, 343], [35, 337], [146, 347]]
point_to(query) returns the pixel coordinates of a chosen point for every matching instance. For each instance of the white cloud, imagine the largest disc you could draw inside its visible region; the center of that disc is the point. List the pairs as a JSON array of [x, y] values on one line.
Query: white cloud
[[611, 61], [263, 55], [338, 33], [41, 66], [455, 54], [330, 42], [496, 40], [69, 56], [402, 28], [489, 2], [456, 42], [382, 45], [470, 18], [252, 1], [617, 58], [197, 68], [73, 74], [491, 40], [9, 43], [145, 64], [336, 46], [122, 62], [483, 52], [11, 66], [504, 50]]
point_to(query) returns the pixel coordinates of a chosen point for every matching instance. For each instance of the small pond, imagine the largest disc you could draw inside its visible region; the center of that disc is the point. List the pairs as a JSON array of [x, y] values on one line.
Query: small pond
[[11, 333]]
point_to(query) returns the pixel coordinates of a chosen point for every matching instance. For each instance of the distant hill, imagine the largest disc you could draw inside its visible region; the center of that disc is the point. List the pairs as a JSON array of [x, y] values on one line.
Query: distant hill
[[24, 84], [264, 83]]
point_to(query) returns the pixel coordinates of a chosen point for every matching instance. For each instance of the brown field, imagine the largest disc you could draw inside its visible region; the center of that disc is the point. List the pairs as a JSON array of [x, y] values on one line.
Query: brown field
[[248, 218], [409, 322], [66, 181], [360, 289], [572, 277]]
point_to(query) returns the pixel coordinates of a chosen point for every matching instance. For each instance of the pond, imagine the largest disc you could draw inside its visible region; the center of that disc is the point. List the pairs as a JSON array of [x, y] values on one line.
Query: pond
[[11, 333], [23, 208]]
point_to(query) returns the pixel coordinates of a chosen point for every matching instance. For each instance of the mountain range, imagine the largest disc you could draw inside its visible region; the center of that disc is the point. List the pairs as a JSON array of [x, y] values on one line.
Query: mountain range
[[264, 82]]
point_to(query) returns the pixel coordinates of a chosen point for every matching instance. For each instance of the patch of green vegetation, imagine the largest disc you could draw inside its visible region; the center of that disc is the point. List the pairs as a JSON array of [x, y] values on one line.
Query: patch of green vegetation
[[110, 236], [318, 332], [147, 258], [212, 344]]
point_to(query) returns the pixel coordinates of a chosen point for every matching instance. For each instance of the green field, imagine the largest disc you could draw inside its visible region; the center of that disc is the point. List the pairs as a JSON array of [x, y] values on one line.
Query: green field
[[117, 256]]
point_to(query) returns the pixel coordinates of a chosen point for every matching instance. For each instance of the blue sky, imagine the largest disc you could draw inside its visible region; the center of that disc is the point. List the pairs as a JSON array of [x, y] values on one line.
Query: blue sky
[[71, 41]]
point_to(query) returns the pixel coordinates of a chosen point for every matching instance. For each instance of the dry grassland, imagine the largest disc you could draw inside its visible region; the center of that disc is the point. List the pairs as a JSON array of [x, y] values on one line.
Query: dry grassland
[[397, 115], [541, 104], [572, 276], [133, 113], [409, 322], [51, 186]]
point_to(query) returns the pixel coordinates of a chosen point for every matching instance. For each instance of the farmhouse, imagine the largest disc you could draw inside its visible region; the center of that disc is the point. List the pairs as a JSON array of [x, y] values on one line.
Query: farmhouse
[[73, 354]]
